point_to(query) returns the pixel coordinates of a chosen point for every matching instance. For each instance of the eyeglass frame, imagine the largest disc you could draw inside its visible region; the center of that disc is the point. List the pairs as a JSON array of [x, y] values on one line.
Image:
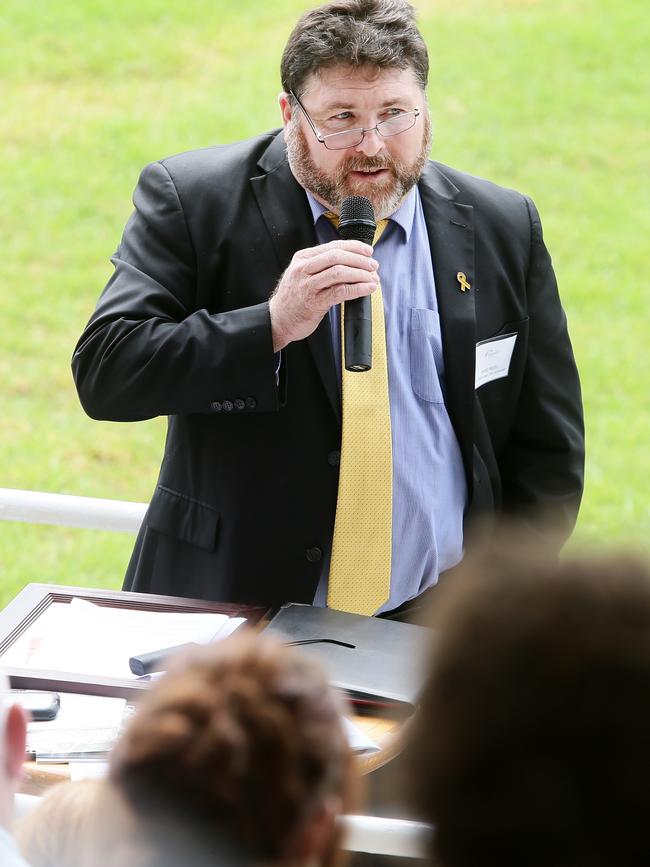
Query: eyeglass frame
[[321, 138]]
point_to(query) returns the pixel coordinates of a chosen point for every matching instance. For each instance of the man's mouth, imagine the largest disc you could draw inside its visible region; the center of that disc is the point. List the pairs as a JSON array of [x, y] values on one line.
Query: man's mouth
[[369, 174]]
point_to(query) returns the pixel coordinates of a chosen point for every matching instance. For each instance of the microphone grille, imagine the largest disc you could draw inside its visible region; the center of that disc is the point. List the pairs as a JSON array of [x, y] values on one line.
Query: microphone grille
[[357, 208], [357, 220]]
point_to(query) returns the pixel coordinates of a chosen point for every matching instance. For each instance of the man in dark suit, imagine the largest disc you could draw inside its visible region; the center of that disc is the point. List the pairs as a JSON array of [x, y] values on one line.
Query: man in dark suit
[[222, 314]]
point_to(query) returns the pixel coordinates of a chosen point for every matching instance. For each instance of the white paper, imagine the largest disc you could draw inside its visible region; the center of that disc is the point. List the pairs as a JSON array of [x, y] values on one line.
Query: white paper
[[50, 622], [87, 770], [83, 723], [358, 741], [493, 358], [83, 712], [91, 639]]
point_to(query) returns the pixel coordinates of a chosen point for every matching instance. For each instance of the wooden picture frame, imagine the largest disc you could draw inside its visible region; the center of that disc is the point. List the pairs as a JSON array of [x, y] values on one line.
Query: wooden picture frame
[[34, 599]]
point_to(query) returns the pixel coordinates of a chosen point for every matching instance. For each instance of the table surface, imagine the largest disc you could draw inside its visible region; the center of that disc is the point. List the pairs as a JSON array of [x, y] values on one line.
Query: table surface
[[387, 733]]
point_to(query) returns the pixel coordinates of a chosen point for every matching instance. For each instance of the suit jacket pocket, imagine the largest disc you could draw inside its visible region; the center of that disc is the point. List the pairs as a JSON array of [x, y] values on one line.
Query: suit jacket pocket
[[509, 382], [175, 514], [426, 354]]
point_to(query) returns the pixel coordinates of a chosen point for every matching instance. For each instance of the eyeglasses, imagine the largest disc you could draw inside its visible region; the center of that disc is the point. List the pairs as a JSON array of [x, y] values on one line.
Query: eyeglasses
[[350, 138]]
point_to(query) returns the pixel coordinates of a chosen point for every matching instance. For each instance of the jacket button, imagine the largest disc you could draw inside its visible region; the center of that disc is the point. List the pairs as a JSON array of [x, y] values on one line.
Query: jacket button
[[227, 405], [216, 405], [334, 459], [251, 403], [239, 403], [314, 555]]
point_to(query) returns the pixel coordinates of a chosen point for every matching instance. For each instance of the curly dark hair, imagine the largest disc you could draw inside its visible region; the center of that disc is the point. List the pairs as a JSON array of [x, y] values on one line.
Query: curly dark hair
[[533, 744], [356, 33], [243, 737]]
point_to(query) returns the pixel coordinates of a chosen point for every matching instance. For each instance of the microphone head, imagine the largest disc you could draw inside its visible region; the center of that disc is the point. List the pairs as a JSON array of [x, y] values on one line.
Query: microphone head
[[357, 208], [357, 219]]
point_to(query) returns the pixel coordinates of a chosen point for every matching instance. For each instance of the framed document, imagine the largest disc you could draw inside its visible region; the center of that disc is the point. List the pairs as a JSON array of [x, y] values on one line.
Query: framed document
[[51, 636]]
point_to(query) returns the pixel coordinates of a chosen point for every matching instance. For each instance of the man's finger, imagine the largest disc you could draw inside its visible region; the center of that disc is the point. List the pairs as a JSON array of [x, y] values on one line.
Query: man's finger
[[335, 258], [351, 246], [340, 274], [346, 292]]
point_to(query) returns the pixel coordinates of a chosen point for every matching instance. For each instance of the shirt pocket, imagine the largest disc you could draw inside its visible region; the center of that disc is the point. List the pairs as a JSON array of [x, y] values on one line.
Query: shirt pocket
[[426, 355]]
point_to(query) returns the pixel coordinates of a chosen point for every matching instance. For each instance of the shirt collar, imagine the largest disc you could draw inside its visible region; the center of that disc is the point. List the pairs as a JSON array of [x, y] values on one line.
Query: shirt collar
[[403, 216]]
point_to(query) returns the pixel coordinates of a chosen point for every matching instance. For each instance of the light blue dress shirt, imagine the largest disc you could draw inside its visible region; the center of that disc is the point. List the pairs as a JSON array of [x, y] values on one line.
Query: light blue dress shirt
[[429, 486]]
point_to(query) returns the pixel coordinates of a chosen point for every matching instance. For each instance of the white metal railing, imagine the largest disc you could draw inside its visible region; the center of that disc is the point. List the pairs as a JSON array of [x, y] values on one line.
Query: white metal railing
[[371, 834], [379, 836], [36, 507]]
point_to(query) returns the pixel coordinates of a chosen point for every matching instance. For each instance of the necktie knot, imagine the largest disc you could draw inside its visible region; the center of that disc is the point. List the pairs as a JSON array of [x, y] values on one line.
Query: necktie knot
[[379, 230]]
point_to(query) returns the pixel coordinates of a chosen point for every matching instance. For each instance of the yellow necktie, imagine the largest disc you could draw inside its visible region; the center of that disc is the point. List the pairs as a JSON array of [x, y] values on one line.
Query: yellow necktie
[[359, 577]]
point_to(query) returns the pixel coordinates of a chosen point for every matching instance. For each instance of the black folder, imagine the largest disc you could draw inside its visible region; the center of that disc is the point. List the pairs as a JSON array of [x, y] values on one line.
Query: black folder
[[374, 660]]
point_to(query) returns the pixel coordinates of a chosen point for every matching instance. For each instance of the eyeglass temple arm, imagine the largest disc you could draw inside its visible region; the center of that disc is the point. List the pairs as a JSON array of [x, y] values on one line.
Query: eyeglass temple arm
[[311, 123]]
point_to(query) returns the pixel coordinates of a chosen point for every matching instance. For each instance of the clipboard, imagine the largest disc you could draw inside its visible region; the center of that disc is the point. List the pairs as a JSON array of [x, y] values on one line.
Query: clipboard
[[34, 599]]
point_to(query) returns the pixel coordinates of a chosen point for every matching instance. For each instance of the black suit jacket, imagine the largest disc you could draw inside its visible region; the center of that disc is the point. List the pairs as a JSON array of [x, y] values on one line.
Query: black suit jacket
[[244, 506]]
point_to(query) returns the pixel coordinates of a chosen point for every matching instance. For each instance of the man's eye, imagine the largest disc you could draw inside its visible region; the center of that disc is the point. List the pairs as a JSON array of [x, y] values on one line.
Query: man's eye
[[393, 112], [342, 115]]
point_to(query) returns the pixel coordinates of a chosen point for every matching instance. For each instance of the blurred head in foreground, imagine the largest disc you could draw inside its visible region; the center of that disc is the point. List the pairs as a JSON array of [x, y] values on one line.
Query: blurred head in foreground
[[533, 742], [241, 742], [80, 824]]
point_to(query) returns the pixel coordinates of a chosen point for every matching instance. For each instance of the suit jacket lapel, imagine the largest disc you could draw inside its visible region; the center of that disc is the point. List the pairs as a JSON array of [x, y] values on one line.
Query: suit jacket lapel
[[451, 233], [289, 222]]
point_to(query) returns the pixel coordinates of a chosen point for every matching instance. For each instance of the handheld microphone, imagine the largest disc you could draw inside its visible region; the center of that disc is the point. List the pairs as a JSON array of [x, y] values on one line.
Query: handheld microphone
[[357, 223]]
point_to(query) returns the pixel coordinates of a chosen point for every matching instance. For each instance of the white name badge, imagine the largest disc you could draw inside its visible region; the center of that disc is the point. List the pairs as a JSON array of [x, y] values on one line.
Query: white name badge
[[493, 358]]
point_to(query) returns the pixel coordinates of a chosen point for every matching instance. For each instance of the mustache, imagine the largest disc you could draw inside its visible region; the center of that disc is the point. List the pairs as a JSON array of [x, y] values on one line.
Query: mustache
[[360, 164]]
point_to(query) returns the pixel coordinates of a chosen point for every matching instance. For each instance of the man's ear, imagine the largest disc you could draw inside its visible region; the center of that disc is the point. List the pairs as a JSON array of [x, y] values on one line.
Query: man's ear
[[15, 737], [284, 101]]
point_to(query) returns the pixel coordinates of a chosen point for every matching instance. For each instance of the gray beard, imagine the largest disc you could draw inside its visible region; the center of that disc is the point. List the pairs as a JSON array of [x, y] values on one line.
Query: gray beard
[[333, 189]]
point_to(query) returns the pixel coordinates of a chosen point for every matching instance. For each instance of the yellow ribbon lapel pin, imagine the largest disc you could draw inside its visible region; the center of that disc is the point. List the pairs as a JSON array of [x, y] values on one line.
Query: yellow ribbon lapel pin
[[462, 279]]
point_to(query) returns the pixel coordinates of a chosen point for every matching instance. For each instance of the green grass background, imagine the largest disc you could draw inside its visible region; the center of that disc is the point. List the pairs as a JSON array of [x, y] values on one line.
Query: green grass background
[[548, 96]]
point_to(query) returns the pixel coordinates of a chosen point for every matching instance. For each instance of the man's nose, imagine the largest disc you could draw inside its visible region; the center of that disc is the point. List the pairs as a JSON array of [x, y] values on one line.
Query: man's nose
[[371, 144]]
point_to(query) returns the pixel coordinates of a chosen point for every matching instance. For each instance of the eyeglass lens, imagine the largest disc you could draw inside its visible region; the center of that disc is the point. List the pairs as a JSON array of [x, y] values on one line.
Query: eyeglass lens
[[351, 137]]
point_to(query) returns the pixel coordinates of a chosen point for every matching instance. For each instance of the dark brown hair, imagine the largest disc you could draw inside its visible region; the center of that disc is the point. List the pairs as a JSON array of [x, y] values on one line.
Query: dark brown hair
[[356, 33], [533, 744], [243, 737]]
